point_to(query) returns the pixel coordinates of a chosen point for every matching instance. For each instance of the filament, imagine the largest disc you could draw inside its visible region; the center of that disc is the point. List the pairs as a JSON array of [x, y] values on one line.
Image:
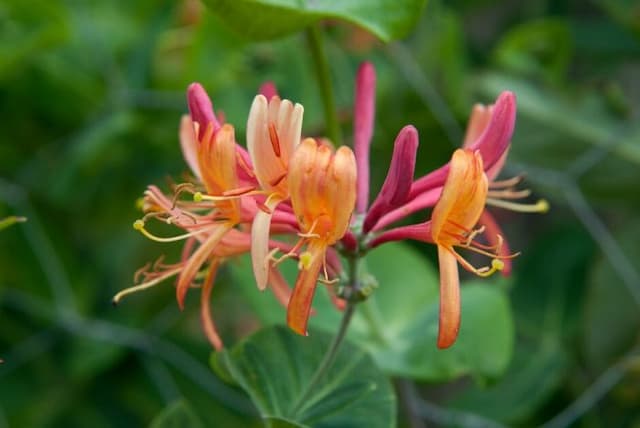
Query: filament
[[139, 226], [116, 299], [542, 206]]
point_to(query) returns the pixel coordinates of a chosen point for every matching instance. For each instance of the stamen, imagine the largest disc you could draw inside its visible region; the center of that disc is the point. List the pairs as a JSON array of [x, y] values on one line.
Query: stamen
[[310, 233], [139, 226], [116, 299], [244, 165], [275, 141], [327, 281], [472, 235], [239, 191], [140, 272], [227, 194], [503, 184], [305, 260], [277, 180], [508, 194], [542, 206], [275, 261], [178, 190], [485, 271], [459, 226]]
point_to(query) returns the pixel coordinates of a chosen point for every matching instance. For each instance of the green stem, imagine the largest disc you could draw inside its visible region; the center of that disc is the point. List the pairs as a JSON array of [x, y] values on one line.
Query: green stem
[[372, 315], [327, 361], [321, 65]]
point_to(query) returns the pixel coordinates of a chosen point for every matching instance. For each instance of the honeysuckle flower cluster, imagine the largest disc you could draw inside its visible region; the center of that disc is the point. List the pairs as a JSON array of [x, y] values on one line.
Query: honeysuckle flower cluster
[[291, 197]]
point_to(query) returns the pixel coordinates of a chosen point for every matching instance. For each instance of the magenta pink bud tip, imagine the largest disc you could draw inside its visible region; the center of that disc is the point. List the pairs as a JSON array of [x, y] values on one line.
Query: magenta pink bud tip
[[268, 89], [201, 108]]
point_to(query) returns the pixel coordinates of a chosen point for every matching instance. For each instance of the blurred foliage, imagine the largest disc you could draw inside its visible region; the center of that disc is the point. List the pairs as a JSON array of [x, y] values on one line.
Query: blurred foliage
[[91, 94]]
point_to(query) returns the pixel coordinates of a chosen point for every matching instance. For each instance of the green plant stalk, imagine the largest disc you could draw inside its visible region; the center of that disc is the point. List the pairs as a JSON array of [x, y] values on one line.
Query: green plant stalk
[[321, 65], [327, 361]]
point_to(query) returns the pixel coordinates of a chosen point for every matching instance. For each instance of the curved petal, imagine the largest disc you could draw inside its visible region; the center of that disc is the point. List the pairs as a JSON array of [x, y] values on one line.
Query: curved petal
[[300, 303], [449, 320], [189, 145], [397, 185], [478, 121], [201, 108], [279, 286], [495, 139], [260, 243], [196, 260], [205, 307]]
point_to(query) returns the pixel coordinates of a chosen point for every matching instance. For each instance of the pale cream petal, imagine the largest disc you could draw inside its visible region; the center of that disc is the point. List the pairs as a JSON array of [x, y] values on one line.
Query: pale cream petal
[[189, 145], [260, 243]]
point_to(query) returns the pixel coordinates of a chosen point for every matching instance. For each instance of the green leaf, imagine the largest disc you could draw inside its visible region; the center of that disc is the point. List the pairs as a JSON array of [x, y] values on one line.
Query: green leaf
[[528, 383], [268, 19], [274, 366], [548, 302], [612, 318], [176, 415], [398, 324], [537, 48]]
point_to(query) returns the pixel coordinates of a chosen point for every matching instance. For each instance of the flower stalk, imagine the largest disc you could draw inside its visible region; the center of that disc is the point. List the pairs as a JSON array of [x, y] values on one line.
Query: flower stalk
[[321, 65]]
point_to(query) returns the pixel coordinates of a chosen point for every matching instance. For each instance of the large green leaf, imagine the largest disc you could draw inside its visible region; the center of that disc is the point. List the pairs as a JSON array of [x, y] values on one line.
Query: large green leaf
[[275, 367], [268, 19], [528, 383], [398, 324]]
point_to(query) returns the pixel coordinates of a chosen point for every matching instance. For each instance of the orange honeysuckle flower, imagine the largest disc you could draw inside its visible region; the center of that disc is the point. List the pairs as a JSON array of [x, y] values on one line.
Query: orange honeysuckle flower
[[322, 185], [273, 133], [453, 220], [208, 219]]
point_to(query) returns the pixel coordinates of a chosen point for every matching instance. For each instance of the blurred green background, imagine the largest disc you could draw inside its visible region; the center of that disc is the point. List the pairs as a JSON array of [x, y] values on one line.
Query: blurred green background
[[91, 93]]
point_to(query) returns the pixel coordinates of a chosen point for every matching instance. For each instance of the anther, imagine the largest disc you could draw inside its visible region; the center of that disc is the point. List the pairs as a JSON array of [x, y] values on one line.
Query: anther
[[197, 197], [138, 224], [275, 141], [244, 165], [305, 260], [277, 180]]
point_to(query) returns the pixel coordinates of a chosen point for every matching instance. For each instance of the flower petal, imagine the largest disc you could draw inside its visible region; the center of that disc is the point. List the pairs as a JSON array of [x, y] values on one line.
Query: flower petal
[[201, 108], [397, 184], [449, 320], [462, 200], [196, 260], [260, 242], [300, 303], [495, 139], [273, 132], [268, 90], [364, 113], [279, 286], [205, 307], [189, 145]]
